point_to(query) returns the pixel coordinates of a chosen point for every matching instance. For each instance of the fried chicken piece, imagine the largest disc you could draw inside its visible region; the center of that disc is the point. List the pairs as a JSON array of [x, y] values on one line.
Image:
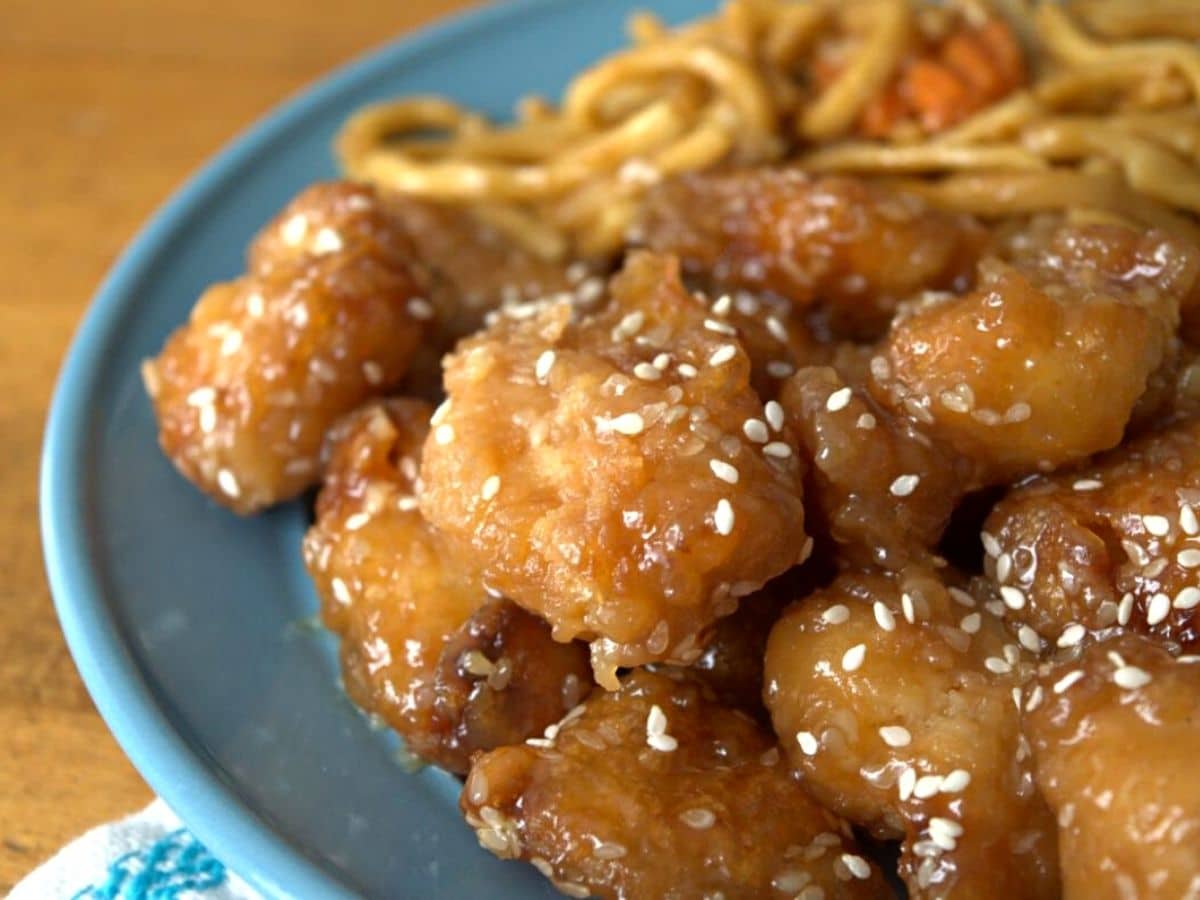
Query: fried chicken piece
[[423, 645], [654, 792], [1116, 543], [245, 391], [893, 696], [616, 475], [1115, 739], [1042, 363], [841, 242], [877, 486]]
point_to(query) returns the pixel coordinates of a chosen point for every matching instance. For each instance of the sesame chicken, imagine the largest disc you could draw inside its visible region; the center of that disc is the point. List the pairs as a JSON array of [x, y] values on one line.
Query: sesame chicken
[[424, 646], [629, 508], [892, 694], [654, 792]]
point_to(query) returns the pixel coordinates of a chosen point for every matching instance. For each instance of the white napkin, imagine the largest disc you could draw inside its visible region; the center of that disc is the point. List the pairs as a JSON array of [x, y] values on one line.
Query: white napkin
[[147, 856]]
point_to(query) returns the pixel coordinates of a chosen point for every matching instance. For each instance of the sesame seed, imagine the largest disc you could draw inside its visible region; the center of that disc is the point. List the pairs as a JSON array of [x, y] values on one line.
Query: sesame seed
[[997, 665], [630, 325], [907, 782], [341, 593], [853, 658], [1087, 484], [927, 786], [254, 305], [1189, 559], [944, 832], [294, 229], [1035, 698], [778, 368], [777, 329], [904, 485], [856, 865], [907, 608], [991, 546], [1188, 521], [544, 364], [895, 735], [812, 892], [722, 355], [327, 241], [1067, 680], [647, 372], [491, 487], [866, 422], [722, 305], [208, 419], [1003, 567], [1188, 658], [777, 449], [971, 623], [228, 483], [231, 343], [723, 517], [1158, 608], [1012, 654], [699, 819], [1125, 610], [836, 614], [808, 743], [838, 400], [1071, 635], [724, 470], [628, 424], [443, 434], [1159, 526], [356, 521], [774, 413], [883, 617], [687, 370], [656, 720], [420, 309], [663, 743], [1029, 639], [1135, 552], [661, 361], [996, 608], [201, 396], [756, 430], [1188, 598], [956, 781], [373, 372], [1116, 659], [1014, 598], [1131, 678], [961, 597], [720, 327]]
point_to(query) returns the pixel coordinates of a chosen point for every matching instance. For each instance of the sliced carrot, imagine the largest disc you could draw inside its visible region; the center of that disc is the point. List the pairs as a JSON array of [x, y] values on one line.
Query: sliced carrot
[[968, 57], [882, 114], [938, 96]]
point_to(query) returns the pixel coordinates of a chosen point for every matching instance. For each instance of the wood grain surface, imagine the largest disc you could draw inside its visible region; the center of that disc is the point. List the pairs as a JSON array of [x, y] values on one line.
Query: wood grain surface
[[107, 105]]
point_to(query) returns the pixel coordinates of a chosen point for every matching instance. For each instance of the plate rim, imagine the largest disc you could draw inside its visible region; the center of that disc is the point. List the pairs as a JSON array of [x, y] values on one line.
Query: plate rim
[[243, 841]]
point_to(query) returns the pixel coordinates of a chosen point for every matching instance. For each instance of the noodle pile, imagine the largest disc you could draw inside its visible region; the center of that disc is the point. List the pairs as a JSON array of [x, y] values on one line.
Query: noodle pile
[[1097, 115]]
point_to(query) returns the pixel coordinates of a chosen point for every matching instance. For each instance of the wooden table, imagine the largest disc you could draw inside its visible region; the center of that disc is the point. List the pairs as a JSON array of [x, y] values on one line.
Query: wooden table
[[107, 105]]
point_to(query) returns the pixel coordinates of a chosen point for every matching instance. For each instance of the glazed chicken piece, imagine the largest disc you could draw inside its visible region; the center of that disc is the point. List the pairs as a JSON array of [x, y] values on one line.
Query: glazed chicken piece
[[423, 645], [1115, 543], [616, 474], [656, 792], [1042, 363], [840, 242], [893, 694], [1115, 737], [327, 316], [878, 487]]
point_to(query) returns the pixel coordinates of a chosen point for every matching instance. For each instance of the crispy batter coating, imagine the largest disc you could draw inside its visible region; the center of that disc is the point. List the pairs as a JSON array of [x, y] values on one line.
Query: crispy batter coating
[[423, 646], [893, 696], [878, 487], [1115, 543], [839, 241], [245, 391], [1042, 363], [656, 792], [1115, 738], [616, 475]]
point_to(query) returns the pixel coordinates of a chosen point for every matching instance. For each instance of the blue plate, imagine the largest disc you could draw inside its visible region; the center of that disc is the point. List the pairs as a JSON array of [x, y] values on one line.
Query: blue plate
[[183, 619]]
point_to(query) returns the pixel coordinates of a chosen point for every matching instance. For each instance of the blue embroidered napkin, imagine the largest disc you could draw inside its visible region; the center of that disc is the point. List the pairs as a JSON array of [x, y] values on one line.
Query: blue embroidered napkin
[[148, 856]]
